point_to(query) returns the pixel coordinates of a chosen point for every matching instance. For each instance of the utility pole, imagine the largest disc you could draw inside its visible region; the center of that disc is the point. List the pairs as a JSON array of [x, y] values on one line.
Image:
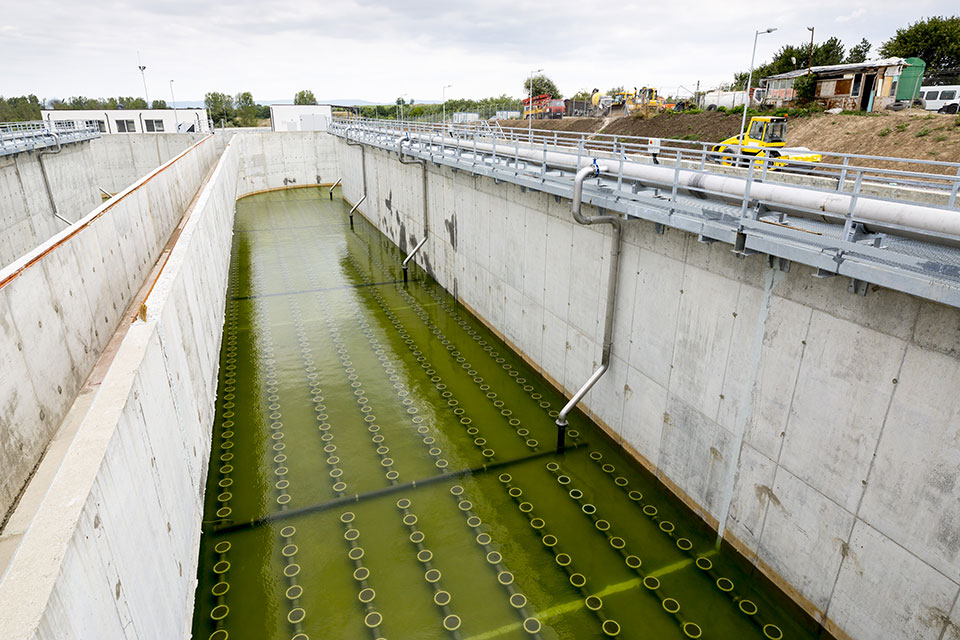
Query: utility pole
[[144, 78], [743, 121], [810, 63], [530, 105], [445, 87], [173, 99]]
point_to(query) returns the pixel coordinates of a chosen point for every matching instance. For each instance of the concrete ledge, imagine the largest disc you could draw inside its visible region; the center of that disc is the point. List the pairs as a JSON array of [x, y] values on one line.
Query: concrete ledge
[[60, 303], [112, 551]]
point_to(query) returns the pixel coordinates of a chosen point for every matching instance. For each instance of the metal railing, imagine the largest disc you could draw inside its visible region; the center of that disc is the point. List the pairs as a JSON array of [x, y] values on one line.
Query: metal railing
[[17, 137], [899, 217]]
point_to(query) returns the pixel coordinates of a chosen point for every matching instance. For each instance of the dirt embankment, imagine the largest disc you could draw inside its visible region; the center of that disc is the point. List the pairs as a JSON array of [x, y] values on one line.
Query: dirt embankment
[[920, 135], [579, 125]]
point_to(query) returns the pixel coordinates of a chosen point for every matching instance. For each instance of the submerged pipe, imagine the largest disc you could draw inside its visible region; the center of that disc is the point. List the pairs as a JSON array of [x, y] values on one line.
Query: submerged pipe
[[410, 257], [616, 225], [46, 180], [335, 186], [359, 202]]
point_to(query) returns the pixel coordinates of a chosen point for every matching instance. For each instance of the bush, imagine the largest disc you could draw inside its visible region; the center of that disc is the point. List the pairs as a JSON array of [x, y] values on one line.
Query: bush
[[923, 133], [806, 88]]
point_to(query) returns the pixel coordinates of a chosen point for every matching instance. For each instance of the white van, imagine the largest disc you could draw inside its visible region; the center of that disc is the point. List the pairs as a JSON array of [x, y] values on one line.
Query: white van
[[945, 99]]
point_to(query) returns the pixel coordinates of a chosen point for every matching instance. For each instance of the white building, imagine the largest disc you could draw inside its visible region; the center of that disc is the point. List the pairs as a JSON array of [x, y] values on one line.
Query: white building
[[134, 120], [300, 117]]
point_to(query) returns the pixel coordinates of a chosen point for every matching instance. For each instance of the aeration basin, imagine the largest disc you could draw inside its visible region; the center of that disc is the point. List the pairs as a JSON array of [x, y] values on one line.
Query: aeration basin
[[382, 467]]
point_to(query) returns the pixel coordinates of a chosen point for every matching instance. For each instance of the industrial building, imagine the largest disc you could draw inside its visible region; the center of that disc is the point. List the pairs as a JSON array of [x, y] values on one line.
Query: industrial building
[[133, 120], [397, 380], [300, 117]]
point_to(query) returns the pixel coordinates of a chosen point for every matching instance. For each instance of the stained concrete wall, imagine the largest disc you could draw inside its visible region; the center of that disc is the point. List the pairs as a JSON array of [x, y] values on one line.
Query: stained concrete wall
[[76, 174], [112, 551], [286, 159], [819, 430], [61, 302]]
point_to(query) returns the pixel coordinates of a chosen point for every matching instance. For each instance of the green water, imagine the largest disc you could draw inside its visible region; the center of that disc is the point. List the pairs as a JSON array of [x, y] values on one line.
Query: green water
[[341, 502]]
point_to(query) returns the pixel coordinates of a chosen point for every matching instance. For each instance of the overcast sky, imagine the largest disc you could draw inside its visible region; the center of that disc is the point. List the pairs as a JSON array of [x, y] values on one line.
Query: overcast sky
[[377, 51]]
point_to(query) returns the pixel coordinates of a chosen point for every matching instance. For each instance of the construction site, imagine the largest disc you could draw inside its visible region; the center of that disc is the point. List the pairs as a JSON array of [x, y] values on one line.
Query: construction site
[[555, 377]]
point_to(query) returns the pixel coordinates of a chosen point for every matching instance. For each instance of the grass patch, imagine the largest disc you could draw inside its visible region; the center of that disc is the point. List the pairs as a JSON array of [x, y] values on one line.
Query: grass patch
[[923, 133], [940, 138], [902, 127], [883, 133], [690, 136]]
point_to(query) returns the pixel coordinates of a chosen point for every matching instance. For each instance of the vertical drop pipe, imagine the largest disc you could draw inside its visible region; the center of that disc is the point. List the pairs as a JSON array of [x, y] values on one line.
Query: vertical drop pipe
[[426, 223], [363, 172], [616, 224]]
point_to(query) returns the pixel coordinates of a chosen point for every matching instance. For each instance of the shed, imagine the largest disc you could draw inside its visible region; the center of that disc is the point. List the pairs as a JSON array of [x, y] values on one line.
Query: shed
[[856, 86]]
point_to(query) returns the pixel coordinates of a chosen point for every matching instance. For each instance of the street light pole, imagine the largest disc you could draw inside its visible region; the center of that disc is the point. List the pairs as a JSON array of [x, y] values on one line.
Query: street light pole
[[173, 99], [530, 105], [445, 87], [144, 78], [743, 120], [810, 61]]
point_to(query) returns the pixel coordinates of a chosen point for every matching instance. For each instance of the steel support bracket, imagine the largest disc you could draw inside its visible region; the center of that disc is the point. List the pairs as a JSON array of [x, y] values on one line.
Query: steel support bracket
[[740, 246], [778, 263], [858, 287]]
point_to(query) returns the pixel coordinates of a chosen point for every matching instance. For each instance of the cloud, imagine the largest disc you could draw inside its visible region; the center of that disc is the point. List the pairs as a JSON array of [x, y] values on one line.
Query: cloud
[[376, 50], [852, 15]]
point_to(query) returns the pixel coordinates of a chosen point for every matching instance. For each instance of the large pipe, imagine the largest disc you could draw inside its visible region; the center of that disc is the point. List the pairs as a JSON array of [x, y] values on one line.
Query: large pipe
[[46, 180], [828, 206], [616, 226]]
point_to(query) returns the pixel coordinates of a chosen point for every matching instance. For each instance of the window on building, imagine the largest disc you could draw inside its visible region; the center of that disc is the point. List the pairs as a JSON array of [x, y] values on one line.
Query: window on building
[[948, 95], [857, 83], [153, 125], [893, 87], [126, 126], [843, 88], [99, 124]]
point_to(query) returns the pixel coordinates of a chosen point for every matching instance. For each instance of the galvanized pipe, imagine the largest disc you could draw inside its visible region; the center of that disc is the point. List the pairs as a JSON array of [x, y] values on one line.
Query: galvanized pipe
[[334, 187], [423, 178], [359, 202], [828, 206], [46, 180], [616, 225], [410, 257]]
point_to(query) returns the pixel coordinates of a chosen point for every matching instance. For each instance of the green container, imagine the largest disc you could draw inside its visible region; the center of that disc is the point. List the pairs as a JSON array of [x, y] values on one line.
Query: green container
[[911, 79]]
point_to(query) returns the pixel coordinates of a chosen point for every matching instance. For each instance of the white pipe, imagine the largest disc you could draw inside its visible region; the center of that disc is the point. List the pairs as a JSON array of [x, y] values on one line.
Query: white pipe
[[893, 216]]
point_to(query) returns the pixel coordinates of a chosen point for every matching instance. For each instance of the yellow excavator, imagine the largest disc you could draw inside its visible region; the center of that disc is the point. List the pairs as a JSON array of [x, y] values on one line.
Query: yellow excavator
[[766, 137]]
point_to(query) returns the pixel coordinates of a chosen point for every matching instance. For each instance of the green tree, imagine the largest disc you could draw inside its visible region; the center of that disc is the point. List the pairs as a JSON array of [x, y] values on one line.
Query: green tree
[[583, 94], [806, 88], [219, 107], [792, 57], [541, 85], [133, 103], [18, 109], [615, 91], [246, 109], [935, 40], [859, 52], [159, 104], [304, 97]]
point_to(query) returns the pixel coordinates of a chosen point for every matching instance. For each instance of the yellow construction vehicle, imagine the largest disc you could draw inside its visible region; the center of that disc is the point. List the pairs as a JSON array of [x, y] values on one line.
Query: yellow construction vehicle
[[766, 137]]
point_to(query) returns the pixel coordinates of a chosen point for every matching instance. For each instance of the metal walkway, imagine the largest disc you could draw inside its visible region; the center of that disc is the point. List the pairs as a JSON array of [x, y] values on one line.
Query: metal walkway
[[918, 261], [17, 137]]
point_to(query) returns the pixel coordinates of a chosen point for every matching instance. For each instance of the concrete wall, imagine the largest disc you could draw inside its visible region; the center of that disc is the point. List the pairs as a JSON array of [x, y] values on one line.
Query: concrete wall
[[819, 430], [110, 162], [112, 551], [286, 159], [61, 302]]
